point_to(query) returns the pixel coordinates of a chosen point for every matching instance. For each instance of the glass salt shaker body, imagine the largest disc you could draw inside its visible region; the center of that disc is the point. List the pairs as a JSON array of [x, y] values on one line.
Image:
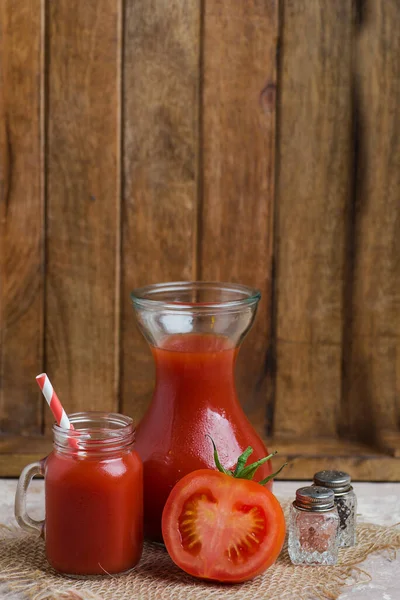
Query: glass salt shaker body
[[313, 527], [345, 501]]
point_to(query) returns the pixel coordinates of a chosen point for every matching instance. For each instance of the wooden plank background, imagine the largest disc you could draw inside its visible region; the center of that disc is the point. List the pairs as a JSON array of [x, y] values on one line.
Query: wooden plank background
[[372, 390], [257, 142], [313, 190], [83, 202], [22, 221]]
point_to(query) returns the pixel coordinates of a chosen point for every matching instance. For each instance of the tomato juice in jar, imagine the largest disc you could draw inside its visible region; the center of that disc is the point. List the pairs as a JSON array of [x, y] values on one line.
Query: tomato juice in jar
[[93, 496], [194, 331]]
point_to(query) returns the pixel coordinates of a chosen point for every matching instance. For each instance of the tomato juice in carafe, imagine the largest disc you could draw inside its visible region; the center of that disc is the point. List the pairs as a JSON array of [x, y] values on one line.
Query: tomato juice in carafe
[[194, 331]]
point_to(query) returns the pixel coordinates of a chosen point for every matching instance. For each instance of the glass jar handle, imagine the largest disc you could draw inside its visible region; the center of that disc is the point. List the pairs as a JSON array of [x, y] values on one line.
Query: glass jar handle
[[23, 519]]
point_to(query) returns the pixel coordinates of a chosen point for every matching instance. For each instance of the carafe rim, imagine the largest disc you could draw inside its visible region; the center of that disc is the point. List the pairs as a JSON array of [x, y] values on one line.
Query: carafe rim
[[165, 296]]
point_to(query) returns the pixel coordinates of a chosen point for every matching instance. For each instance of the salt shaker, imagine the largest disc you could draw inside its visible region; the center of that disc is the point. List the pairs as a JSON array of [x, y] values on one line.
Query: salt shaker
[[313, 527], [346, 503]]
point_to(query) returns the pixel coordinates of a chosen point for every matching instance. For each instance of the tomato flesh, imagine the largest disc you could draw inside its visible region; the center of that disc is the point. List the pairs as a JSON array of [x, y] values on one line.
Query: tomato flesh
[[220, 528]]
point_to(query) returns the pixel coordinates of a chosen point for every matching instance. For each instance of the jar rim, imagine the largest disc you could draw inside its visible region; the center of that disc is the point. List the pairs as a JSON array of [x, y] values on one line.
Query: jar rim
[[122, 421], [166, 296], [104, 432]]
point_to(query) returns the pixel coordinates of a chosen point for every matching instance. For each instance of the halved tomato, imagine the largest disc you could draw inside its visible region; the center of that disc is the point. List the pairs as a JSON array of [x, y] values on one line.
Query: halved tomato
[[216, 526]]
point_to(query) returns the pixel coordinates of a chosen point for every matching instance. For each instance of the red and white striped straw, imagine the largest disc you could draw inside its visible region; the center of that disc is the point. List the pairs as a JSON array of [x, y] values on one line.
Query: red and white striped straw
[[55, 406], [53, 401]]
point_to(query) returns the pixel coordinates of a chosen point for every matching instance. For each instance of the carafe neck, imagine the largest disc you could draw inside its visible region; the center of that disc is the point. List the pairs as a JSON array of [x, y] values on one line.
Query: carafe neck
[[196, 369], [213, 310]]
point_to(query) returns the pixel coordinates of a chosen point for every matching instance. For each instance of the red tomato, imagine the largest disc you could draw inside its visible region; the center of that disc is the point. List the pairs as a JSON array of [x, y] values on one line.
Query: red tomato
[[221, 528]]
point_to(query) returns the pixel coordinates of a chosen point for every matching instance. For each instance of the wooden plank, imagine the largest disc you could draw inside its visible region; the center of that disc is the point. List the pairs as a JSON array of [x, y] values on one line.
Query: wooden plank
[[21, 214], [238, 133], [371, 404], [83, 202], [314, 181], [18, 451], [161, 79], [306, 457]]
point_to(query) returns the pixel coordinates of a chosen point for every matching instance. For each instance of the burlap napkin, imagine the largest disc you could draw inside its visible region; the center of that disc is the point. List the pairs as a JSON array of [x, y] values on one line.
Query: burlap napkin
[[24, 569]]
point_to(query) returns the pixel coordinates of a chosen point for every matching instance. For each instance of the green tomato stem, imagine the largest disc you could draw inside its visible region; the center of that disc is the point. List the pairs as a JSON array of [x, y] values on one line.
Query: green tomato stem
[[216, 459], [264, 481], [242, 460], [249, 471], [241, 471]]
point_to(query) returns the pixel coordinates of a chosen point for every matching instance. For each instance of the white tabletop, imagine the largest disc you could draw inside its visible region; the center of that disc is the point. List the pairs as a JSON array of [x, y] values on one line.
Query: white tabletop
[[377, 503]]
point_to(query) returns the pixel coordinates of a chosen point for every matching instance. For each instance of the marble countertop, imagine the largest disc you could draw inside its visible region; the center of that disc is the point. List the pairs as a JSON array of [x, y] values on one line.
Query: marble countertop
[[377, 503]]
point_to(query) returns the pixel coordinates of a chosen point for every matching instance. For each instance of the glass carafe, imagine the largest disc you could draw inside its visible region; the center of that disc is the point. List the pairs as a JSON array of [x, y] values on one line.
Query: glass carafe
[[194, 330]]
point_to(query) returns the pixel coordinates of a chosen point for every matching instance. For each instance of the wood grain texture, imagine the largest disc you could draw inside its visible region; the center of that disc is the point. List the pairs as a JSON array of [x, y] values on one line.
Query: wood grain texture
[[21, 214], [306, 457], [18, 451], [238, 134], [148, 129], [372, 393], [83, 202], [161, 79], [314, 181]]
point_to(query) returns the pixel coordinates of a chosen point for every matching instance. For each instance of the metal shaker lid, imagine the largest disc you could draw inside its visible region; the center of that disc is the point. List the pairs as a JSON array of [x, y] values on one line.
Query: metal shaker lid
[[338, 481], [314, 498]]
